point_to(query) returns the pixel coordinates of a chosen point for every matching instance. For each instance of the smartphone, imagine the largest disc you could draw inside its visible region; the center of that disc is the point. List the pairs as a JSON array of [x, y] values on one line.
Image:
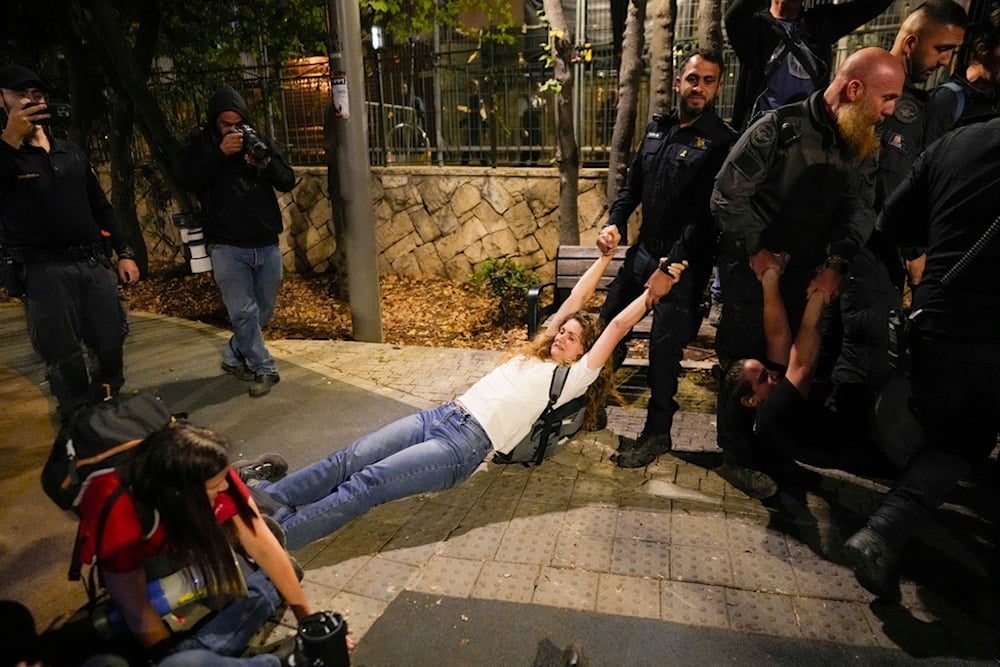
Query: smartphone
[[61, 114]]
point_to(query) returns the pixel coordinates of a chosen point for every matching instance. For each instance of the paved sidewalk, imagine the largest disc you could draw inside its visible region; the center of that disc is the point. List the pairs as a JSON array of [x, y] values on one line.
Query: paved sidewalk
[[670, 543]]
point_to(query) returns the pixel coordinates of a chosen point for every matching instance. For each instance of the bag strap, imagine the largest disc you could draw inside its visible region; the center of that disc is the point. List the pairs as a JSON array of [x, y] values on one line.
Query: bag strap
[[806, 58], [559, 374]]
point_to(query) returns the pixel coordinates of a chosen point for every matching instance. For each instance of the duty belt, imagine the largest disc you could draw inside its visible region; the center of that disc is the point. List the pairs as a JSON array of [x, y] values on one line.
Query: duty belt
[[77, 253]]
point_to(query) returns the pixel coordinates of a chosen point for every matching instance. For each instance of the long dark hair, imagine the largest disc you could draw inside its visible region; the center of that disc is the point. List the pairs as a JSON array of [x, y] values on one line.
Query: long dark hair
[[167, 473]]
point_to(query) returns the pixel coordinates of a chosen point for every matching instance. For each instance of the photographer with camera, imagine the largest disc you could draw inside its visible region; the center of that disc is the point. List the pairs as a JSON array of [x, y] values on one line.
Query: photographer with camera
[[235, 170], [54, 217]]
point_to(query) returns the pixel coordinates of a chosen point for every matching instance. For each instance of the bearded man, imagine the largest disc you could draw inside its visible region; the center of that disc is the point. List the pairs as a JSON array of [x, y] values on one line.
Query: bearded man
[[801, 180]]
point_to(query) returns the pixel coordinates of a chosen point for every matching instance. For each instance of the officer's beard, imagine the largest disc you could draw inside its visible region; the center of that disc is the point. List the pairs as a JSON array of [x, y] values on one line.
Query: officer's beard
[[857, 129]]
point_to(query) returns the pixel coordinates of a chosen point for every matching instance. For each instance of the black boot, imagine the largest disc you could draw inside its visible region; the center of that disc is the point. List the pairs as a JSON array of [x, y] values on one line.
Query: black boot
[[874, 562], [648, 446]]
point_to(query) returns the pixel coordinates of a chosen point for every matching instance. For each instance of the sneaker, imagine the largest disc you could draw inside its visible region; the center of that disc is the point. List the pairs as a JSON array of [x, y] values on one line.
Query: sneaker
[[262, 383], [715, 313], [264, 468], [874, 563], [238, 371], [648, 446], [750, 481]]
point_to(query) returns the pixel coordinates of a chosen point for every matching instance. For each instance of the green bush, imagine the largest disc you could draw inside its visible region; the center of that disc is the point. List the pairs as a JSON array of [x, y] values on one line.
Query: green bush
[[507, 282]]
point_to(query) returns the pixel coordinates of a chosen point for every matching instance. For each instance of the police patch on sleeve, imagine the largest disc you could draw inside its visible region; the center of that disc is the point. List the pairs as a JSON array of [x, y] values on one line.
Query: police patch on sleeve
[[906, 111], [763, 135]]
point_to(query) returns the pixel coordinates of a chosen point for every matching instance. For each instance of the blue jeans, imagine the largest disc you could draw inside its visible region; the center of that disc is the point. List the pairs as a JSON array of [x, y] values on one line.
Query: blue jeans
[[249, 279], [429, 451], [201, 658], [230, 631]]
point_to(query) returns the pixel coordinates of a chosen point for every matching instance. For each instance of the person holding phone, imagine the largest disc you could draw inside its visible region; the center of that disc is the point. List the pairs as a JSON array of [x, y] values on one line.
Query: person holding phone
[[54, 217]]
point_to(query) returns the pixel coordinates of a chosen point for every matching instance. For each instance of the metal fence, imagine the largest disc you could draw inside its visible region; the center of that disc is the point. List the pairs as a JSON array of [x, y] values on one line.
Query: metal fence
[[477, 104]]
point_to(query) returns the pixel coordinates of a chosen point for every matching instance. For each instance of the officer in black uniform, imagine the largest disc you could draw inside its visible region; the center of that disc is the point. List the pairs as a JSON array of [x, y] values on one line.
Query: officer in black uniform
[[948, 204], [671, 177], [53, 219], [801, 180], [926, 41]]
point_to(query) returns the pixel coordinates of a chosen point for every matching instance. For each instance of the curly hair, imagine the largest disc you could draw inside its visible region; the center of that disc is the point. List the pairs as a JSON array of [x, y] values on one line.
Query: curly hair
[[167, 472], [600, 390]]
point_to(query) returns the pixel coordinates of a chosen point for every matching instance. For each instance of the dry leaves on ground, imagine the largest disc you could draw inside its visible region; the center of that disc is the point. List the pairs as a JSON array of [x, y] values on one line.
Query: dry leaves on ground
[[433, 312]]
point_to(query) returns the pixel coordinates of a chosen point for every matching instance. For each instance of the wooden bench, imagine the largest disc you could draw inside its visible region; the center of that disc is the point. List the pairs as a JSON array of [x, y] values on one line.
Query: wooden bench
[[571, 263]]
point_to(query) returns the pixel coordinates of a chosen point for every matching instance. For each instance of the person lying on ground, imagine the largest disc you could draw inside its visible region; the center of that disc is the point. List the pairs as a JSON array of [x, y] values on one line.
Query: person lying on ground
[[794, 422], [440, 447]]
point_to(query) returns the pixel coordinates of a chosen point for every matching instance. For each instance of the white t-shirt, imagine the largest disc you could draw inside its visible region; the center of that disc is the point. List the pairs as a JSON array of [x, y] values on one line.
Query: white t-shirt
[[508, 399]]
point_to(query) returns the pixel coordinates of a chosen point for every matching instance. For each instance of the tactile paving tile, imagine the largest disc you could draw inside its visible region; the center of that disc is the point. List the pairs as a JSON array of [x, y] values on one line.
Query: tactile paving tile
[[834, 621], [703, 566], [547, 490], [437, 519], [763, 613], [591, 521], [511, 582], [454, 577], [745, 535], [503, 490], [640, 524], [360, 537], [763, 572], [381, 579], [468, 492], [590, 492], [570, 589], [479, 543], [818, 578], [698, 529], [411, 546], [693, 604], [640, 558], [335, 576], [537, 516], [360, 612], [399, 511], [587, 552], [527, 545], [628, 596]]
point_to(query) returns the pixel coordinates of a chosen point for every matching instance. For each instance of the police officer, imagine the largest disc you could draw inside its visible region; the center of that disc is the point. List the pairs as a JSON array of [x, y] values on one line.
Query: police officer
[[53, 218], [926, 41], [671, 177], [948, 203], [801, 180]]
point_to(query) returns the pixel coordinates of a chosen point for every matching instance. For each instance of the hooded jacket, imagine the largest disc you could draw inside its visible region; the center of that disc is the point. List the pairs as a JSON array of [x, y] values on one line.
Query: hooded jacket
[[238, 198]]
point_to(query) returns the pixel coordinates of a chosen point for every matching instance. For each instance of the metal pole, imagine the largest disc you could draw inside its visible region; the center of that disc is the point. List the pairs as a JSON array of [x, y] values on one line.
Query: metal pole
[[438, 116], [353, 168]]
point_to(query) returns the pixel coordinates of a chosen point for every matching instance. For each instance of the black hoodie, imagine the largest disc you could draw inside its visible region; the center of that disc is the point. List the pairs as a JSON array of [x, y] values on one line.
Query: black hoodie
[[238, 198]]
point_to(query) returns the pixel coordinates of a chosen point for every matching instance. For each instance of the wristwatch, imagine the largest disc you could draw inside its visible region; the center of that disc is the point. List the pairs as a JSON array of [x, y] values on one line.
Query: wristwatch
[[838, 264]]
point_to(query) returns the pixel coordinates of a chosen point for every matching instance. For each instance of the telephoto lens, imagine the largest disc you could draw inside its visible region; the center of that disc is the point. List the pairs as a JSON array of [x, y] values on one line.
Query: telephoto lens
[[322, 640]]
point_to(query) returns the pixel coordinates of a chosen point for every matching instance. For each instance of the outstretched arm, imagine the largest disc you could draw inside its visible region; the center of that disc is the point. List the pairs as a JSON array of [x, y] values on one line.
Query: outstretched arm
[[805, 350], [777, 330], [624, 321], [607, 241]]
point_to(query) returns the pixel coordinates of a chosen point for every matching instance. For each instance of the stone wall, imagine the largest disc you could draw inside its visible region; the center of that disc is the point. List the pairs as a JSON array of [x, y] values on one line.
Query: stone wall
[[430, 221]]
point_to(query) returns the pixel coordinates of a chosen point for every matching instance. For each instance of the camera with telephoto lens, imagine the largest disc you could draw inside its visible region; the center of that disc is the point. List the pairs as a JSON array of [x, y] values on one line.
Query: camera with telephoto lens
[[322, 640], [60, 113], [193, 238], [253, 145]]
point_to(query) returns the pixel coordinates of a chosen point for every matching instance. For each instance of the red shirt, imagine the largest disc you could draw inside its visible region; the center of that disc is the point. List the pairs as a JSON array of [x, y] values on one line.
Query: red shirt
[[124, 547]]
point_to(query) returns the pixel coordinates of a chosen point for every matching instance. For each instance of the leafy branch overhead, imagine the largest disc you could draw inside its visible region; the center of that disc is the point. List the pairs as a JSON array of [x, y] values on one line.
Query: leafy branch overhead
[[405, 18]]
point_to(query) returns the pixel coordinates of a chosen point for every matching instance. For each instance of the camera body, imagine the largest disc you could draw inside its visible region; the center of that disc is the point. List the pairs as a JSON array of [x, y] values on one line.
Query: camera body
[[253, 144], [61, 114], [193, 238]]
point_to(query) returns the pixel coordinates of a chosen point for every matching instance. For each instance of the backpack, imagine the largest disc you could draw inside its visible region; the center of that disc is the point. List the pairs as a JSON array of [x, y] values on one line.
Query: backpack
[[551, 427], [96, 438]]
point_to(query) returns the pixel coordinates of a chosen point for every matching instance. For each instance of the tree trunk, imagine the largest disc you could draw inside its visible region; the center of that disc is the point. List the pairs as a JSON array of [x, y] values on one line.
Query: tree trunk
[[103, 27], [562, 52], [661, 58], [710, 25], [123, 180], [628, 95]]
